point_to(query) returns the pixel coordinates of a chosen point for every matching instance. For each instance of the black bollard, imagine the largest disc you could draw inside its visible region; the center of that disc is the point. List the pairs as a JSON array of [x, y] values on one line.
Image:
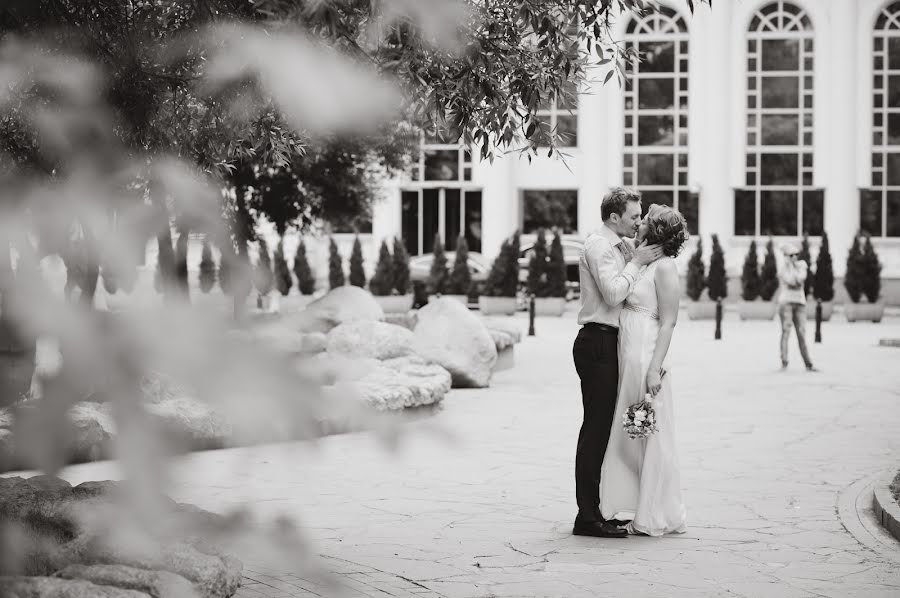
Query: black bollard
[[818, 321], [718, 319], [531, 315]]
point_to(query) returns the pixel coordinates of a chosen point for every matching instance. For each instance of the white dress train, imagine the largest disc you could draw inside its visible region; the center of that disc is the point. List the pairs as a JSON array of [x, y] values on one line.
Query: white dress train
[[640, 479]]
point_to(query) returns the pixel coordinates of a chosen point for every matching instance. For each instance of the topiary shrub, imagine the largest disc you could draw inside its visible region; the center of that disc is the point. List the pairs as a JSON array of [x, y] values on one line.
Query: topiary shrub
[[283, 280], [207, 277], [511, 282], [750, 275], [696, 273], [853, 278], [401, 267], [717, 280], [823, 285], [768, 279], [503, 279], [556, 268], [306, 280], [438, 274], [226, 269], [357, 271], [460, 281], [181, 268], [335, 266], [264, 279], [493, 286], [382, 283], [871, 272], [536, 282]]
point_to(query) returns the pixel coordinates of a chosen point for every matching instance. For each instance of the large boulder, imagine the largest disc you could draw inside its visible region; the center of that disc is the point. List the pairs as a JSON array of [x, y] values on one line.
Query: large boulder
[[7, 446], [404, 382], [502, 340], [93, 430], [158, 584], [448, 334], [192, 420], [212, 575], [406, 319], [281, 339], [314, 342], [362, 338], [63, 534], [156, 387], [505, 328], [54, 587], [340, 305]]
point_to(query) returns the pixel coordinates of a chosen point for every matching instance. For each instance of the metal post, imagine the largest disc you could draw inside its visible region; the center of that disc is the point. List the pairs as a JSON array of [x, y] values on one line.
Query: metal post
[[531, 315], [718, 319], [818, 321]]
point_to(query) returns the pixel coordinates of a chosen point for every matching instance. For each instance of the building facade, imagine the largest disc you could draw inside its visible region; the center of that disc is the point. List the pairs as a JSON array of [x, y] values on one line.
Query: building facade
[[755, 118]]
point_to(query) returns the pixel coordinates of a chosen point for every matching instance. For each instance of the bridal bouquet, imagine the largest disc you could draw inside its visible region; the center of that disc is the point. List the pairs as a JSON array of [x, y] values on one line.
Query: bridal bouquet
[[640, 419]]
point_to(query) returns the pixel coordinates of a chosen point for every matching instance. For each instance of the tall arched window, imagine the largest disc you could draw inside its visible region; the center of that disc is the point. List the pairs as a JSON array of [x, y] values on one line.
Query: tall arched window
[[656, 112], [779, 197], [441, 199], [880, 206]]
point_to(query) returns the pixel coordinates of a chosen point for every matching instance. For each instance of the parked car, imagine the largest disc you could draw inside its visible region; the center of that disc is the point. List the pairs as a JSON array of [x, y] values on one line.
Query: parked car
[[571, 253], [420, 267]]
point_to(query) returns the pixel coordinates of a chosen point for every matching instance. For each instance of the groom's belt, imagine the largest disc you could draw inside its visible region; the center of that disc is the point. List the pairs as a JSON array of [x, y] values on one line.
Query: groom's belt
[[601, 327]]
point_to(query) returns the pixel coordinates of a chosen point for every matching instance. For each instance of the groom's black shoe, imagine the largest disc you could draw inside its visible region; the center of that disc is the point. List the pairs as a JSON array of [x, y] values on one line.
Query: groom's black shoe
[[598, 529]]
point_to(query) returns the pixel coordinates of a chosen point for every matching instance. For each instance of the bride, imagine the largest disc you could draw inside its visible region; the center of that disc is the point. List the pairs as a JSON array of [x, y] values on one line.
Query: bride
[[639, 481]]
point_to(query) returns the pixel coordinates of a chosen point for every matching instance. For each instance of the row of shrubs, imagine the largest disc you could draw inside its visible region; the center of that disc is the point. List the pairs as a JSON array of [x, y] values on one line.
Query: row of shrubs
[[862, 278], [546, 272], [274, 274]]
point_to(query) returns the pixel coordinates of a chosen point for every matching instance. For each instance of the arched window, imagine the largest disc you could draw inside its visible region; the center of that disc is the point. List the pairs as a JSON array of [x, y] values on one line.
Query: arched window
[[880, 206], [656, 112], [779, 197]]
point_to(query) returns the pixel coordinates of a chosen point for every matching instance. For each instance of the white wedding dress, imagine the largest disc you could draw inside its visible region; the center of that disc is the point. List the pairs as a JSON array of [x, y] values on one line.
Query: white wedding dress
[[640, 480]]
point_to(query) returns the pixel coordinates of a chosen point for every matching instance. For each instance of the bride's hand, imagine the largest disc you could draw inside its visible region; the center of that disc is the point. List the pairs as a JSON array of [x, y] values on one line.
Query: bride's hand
[[654, 381]]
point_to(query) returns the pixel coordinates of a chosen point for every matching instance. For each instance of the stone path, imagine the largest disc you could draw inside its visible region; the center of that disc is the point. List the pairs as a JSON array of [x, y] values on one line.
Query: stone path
[[478, 500]]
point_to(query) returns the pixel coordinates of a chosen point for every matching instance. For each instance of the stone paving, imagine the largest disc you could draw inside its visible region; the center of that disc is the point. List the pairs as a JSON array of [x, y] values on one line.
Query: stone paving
[[477, 501]]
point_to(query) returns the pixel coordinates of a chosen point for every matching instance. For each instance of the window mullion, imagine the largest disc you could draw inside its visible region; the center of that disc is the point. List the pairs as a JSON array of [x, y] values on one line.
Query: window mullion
[[421, 218], [442, 214]]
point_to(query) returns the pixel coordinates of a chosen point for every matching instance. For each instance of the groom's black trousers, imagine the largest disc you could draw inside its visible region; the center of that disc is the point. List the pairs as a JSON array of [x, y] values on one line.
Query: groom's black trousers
[[596, 353]]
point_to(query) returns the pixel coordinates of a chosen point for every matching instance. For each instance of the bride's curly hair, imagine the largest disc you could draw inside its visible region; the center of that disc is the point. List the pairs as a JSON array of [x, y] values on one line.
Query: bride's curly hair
[[667, 228]]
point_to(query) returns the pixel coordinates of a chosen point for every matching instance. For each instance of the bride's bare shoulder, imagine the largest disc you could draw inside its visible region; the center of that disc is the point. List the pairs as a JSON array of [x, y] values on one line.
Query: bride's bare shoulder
[[666, 269]]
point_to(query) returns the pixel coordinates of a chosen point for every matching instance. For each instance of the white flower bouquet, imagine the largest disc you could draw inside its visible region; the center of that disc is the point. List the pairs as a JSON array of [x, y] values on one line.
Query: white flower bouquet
[[640, 419]]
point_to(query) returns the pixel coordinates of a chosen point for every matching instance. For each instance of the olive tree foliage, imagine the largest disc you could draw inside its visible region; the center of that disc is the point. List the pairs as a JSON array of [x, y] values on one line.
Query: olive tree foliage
[[123, 119], [224, 85]]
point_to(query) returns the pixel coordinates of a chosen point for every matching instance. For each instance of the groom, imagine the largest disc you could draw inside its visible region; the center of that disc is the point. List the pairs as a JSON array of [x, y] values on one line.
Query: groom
[[608, 269]]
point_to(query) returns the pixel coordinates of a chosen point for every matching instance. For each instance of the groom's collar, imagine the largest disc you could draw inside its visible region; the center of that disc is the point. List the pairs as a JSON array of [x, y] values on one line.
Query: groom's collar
[[609, 235]]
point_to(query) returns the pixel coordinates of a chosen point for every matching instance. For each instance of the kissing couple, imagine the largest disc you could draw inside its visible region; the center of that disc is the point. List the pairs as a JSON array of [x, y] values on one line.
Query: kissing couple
[[630, 294]]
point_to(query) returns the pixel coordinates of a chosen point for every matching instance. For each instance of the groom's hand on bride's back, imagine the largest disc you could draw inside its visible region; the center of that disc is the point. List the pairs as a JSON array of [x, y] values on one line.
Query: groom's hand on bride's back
[[647, 254]]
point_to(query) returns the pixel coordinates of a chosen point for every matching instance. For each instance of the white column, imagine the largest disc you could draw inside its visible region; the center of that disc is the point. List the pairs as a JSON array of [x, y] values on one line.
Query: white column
[[499, 217], [711, 115], [386, 218], [594, 137], [837, 118]]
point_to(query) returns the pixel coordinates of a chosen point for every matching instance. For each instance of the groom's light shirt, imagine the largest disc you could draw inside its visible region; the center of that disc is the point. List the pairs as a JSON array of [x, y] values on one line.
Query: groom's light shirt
[[606, 280]]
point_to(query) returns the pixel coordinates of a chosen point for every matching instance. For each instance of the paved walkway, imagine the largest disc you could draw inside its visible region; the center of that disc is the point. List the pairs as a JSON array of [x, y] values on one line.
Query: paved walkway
[[776, 470]]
